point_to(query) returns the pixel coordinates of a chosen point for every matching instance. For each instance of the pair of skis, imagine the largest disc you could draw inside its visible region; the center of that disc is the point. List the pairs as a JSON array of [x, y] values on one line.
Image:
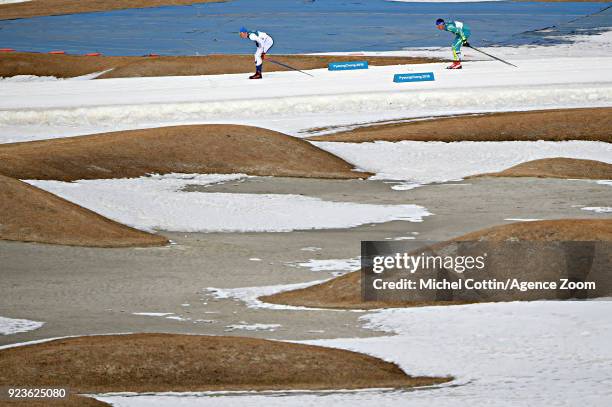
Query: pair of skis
[[288, 66], [491, 56]]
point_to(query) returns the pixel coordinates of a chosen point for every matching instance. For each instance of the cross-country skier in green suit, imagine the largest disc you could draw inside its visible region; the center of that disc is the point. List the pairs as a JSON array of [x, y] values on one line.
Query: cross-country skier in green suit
[[462, 33]]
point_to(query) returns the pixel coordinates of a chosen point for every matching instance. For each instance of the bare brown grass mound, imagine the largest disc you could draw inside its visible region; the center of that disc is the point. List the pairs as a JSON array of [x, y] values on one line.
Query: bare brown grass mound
[[68, 66], [36, 8], [29, 214], [219, 149], [60, 66], [580, 230], [72, 400], [557, 168], [593, 124], [167, 362], [344, 292]]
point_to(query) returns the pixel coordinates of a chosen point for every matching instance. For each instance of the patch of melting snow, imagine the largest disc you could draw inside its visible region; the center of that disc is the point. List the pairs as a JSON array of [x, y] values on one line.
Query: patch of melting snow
[[522, 219], [234, 397], [419, 162], [338, 267], [178, 318], [405, 186], [11, 326], [598, 209], [166, 315], [153, 314], [204, 321], [161, 202], [400, 238], [35, 78], [250, 295], [311, 249], [244, 326], [27, 78]]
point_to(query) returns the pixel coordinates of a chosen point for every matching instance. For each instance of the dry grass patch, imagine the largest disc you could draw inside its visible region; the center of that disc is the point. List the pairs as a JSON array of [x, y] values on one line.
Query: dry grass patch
[[37, 8], [557, 168], [205, 149], [67, 66], [580, 230], [60, 66], [29, 214], [73, 400], [168, 362], [344, 292], [224, 64], [593, 124]]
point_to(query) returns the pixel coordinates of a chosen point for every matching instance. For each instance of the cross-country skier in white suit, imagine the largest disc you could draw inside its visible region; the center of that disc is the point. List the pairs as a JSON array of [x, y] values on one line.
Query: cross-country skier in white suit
[[264, 42]]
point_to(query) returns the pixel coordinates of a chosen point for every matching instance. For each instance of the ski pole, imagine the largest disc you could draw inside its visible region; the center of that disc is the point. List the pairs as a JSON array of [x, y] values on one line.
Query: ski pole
[[491, 56], [287, 66]]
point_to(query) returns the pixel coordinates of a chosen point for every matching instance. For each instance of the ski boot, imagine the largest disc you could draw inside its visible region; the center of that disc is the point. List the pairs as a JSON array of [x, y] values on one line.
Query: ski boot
[[256, 75], [454, 65]]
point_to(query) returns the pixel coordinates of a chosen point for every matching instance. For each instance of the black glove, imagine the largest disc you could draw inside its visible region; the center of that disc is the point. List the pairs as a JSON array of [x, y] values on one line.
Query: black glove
[[466, 43]]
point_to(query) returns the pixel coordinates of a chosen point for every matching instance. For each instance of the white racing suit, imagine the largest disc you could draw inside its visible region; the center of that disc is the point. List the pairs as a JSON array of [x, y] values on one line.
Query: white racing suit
[[264, 42]]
